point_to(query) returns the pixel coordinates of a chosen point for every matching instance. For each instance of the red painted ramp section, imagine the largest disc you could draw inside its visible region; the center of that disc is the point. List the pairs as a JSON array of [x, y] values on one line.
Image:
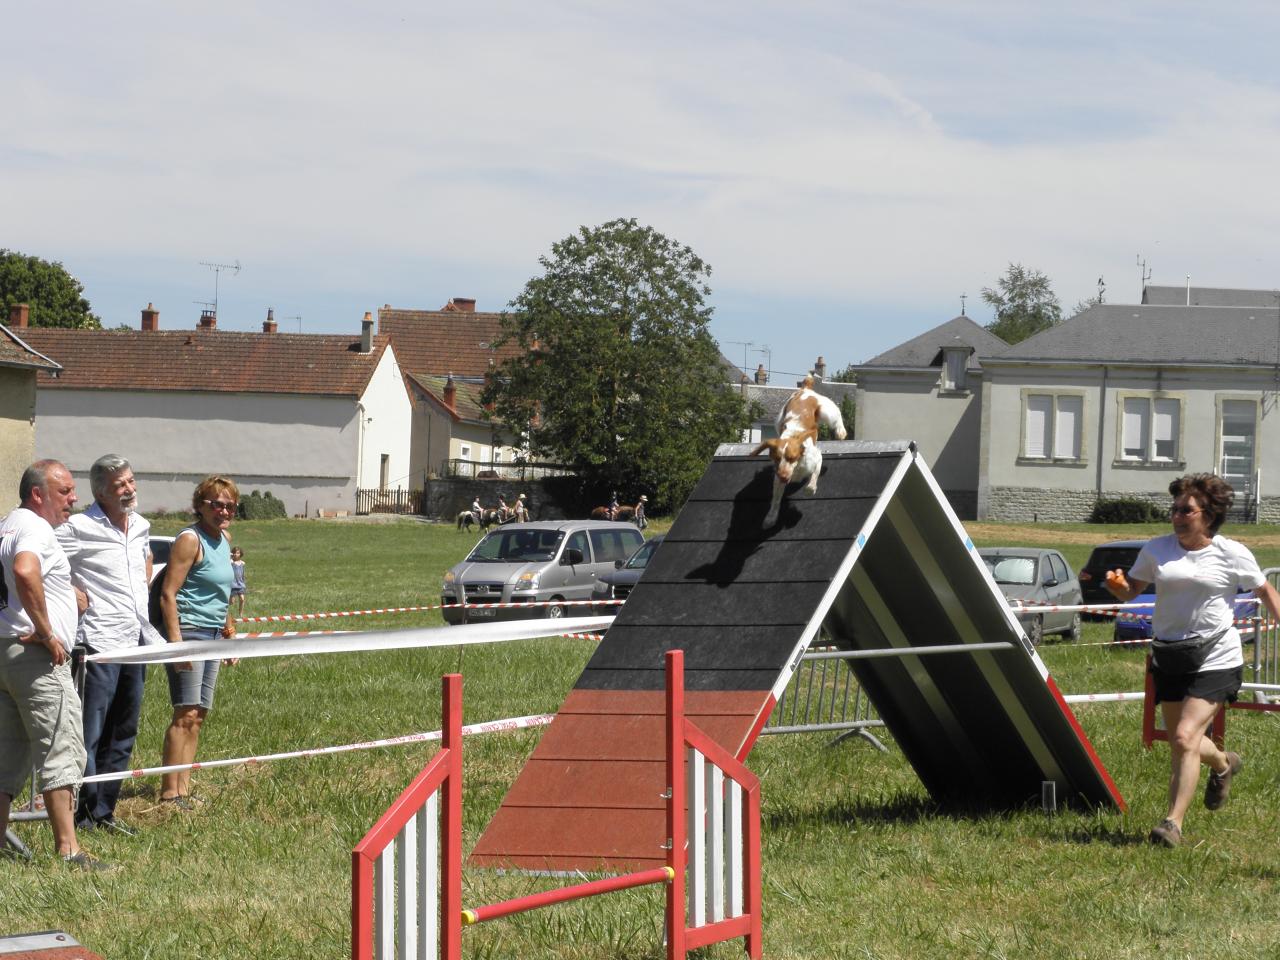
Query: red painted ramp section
[[590, 797]]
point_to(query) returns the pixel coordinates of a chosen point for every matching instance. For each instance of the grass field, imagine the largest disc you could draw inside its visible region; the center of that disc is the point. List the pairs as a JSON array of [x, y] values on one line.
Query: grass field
[[857, 861]]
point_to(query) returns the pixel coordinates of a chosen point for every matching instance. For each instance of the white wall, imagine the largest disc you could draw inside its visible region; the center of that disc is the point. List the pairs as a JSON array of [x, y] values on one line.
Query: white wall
[[909, 406], [388, 424], [300, 448]]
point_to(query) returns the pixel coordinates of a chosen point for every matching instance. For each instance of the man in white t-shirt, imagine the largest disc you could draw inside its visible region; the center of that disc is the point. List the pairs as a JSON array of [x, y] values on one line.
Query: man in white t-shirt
[[39, 709], [108, 547]]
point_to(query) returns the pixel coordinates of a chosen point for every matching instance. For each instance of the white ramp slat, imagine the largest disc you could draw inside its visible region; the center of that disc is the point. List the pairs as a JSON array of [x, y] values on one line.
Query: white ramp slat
[[429, 878], [715, 832], [407, 890], [733, 831], [697, 833], [384, 928]]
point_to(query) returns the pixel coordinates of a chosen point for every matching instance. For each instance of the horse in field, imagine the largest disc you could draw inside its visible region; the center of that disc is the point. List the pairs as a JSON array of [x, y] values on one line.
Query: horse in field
[[622, 515], [488, 518]]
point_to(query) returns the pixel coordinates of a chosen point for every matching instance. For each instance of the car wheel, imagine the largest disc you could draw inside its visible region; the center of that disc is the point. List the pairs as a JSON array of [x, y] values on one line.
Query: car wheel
[[1035, 630], [555, 611], [1073, 632]]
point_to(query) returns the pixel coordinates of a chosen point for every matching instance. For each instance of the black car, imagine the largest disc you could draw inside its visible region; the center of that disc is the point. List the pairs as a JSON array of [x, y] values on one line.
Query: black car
[[618, 584], [1115, 555]]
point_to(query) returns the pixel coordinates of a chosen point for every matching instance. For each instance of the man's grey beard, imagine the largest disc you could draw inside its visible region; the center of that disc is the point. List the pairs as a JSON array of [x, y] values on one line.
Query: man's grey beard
[[131, 505]]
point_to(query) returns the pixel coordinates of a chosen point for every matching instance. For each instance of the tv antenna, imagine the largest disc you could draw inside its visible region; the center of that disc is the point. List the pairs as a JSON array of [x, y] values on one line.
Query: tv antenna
[[217, 269], [298, 318], [1144, 274]]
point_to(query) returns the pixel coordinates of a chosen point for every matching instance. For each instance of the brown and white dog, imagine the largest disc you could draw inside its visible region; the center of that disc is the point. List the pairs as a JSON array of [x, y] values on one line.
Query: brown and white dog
[[795, 451]]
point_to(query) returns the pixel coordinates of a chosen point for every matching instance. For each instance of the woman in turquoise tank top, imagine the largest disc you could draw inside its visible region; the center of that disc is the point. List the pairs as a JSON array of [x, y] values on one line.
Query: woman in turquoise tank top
[[195, 602]]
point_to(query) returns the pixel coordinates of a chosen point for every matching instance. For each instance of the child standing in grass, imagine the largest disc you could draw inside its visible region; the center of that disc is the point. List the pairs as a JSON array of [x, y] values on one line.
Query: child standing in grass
[[237, 579]]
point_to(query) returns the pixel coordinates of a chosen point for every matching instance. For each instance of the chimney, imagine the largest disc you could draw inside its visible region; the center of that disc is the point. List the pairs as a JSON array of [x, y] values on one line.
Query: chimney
[[208, 320], [460, 305], [19, 315], [366, 333], [762, 377], [450, 394], [820, 369], [150, 318], [269, 324]]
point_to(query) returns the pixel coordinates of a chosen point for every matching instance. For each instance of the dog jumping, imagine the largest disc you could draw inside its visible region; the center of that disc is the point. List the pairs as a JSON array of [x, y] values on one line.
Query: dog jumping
[[795, 451]]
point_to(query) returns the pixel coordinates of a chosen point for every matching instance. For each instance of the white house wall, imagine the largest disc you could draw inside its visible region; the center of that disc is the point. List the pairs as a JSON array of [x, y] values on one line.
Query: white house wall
[[898, 406], [1017, 488], [300, 448], [17, 433], [388, 423]]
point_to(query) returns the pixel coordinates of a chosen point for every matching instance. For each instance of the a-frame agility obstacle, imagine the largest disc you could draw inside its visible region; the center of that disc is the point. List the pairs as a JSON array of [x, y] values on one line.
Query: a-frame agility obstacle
[[877, 557]]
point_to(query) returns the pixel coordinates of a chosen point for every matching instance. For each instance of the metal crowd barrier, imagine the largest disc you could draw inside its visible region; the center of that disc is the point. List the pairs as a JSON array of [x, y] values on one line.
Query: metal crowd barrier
[[824, 695], [1266, 646]]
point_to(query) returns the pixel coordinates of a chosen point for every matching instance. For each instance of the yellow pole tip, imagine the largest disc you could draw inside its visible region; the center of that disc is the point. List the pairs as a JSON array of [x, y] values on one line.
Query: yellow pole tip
[[671, 874], [468, 918]]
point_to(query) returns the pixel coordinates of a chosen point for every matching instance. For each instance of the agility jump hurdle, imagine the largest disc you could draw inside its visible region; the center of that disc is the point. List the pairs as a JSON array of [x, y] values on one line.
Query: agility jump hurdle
[[406, 874]]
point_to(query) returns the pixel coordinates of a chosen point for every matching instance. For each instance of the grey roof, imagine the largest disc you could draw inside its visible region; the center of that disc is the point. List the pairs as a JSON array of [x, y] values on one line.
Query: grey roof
[[926, 349], [772, 398], [1210, 297], [1117, 333]]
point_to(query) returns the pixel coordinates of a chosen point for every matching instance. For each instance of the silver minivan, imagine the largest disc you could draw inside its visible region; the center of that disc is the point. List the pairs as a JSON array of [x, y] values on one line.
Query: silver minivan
[[520, 563]]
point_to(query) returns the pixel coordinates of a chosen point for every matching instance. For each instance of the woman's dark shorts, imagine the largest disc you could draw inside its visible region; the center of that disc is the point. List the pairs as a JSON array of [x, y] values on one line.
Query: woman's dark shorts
[[1216, 686]]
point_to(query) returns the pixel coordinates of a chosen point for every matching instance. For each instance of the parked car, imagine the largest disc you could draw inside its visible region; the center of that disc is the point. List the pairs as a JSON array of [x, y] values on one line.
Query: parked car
[[1037, 577], [1114, 555], [521, 563], [159, 560], [1129, 629], [617, 585]]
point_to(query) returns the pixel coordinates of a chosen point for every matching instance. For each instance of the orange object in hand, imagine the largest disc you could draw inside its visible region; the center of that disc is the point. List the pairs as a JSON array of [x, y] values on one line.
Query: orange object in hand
[[1117, 579]]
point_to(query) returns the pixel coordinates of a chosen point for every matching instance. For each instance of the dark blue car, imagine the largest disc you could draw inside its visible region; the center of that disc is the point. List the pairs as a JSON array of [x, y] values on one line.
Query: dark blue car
[[1128, 628]]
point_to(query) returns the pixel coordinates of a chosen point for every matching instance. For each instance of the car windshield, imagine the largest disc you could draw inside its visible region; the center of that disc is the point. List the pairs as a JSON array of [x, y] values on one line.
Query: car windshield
[[1012, 570], [640, 559], [517, 546]]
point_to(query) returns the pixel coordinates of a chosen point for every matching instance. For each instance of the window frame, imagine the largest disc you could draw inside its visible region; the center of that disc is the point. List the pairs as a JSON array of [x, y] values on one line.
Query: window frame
[[1149, 460], [949, 384], [1051, 457]]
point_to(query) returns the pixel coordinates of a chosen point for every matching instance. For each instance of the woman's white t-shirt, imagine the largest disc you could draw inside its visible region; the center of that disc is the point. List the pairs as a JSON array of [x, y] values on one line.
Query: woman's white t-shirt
[[1196, 592]]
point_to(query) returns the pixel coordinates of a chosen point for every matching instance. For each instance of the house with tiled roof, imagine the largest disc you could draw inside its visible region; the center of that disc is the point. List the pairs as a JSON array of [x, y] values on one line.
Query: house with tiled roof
[[308, 417], [929, 389], [1116, 401], [19, 365], [451, 431]]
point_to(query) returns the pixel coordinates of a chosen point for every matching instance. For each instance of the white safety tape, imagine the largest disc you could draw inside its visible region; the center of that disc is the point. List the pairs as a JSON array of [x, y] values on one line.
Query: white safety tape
[[492, 726], [1103, 697], [287, 617], [409, 639]]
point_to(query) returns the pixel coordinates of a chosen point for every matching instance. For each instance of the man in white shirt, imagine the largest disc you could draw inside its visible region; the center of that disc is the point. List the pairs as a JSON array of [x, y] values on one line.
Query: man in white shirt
[[39, 709], [108, 547]]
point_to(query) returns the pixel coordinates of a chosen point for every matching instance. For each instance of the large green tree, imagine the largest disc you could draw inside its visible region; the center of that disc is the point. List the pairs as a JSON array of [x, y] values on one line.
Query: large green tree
[[618, 376], [1024, 304], [55, 297]]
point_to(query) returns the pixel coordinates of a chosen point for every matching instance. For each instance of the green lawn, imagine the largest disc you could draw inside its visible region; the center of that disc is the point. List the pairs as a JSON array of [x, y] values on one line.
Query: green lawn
[[857, 861]]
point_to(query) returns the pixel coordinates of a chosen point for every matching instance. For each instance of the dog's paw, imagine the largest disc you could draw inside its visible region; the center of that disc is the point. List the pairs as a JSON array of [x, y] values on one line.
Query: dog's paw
[[841, 434]]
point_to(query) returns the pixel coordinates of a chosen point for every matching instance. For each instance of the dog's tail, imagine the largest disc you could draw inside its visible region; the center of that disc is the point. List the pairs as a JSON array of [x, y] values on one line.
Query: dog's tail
[[806, 383]]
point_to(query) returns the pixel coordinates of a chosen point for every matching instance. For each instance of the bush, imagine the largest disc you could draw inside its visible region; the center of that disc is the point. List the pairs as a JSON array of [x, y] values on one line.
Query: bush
[[1126, 510], [261, 506]]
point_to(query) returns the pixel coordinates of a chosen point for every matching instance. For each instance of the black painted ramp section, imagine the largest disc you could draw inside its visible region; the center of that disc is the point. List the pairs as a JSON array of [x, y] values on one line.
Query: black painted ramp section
[[877, 557]]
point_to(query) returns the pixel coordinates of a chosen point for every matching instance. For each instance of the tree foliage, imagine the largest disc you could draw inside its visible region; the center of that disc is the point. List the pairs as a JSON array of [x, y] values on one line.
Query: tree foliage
[[618, 376], [1024, 304], [55, 297]]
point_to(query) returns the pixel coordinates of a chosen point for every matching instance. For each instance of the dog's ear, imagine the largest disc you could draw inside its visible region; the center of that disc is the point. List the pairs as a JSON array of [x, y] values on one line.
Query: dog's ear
[[765, 445]]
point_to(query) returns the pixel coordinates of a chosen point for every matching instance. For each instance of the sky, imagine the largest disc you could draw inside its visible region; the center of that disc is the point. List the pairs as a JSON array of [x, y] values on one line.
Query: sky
[[848, 170]]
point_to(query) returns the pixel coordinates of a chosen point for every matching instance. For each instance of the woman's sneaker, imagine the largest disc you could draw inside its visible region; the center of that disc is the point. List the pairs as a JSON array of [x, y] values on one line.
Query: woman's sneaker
[[1218, 788], [1168, 834]]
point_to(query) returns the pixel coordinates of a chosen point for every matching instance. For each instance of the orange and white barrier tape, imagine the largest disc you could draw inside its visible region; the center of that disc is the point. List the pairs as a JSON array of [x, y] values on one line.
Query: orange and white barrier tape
[[288, 617], [492, 726]]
